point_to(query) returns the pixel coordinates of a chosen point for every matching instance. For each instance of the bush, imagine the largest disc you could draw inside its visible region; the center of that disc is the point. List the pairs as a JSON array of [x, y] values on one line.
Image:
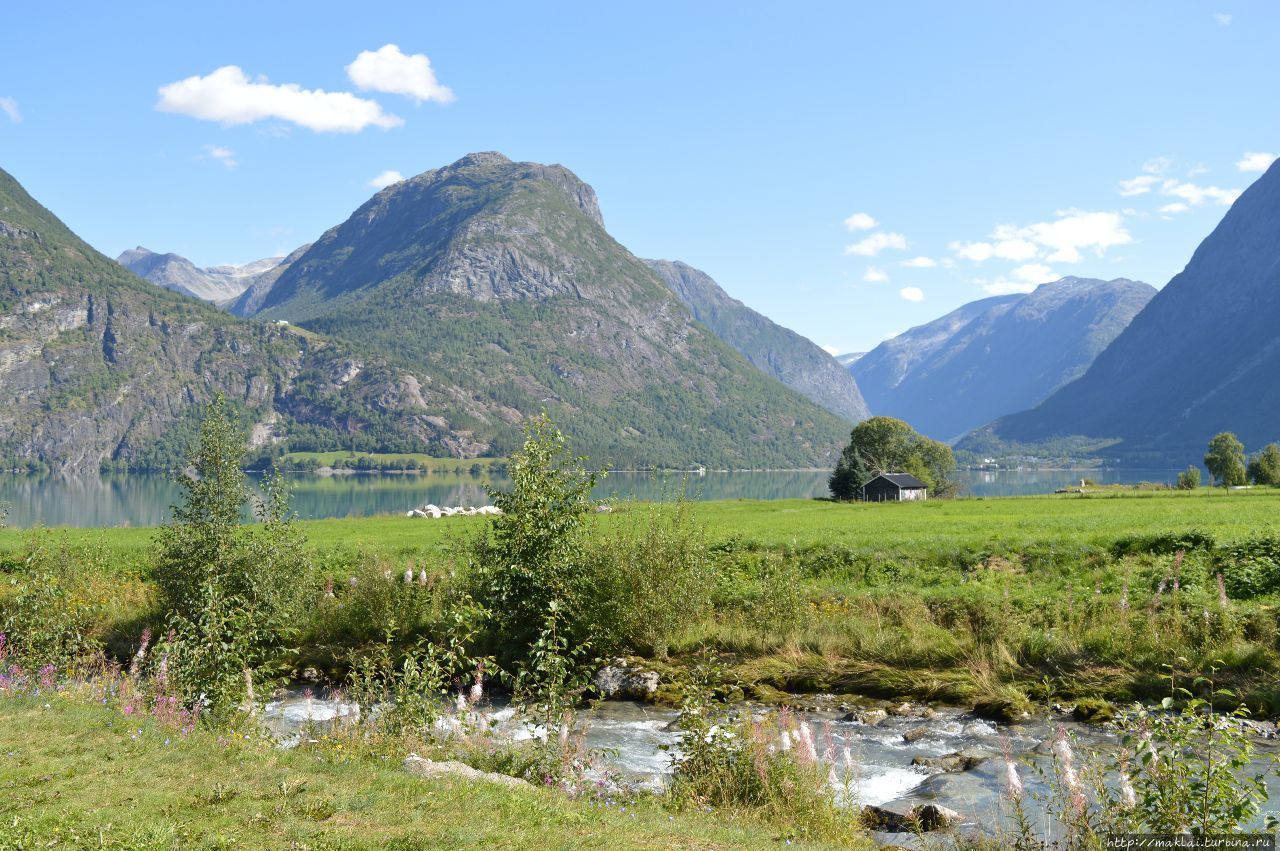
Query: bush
[[1251, 568], [653, 578], [229, 591], [42, 621], [1189, 479]]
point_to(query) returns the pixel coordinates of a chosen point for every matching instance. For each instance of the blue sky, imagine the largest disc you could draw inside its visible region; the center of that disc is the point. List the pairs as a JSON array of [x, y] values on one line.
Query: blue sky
[[1004, 143]]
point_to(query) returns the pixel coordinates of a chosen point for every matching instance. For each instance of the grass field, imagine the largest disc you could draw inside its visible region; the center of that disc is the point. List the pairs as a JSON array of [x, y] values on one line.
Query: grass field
[[80, 776], [912, 531]]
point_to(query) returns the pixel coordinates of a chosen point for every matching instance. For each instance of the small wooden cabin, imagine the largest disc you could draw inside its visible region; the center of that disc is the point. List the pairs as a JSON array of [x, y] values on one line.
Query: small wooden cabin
[[894, 487]]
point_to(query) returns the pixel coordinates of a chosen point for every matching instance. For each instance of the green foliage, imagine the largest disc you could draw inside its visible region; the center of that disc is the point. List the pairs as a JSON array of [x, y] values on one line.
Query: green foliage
[[230, 592], [654, 576], [1191, 770], [41, 618], [1264, 468], [753, 766], [887, 445], [1189, 479], [1225, 460], [1251, 568]]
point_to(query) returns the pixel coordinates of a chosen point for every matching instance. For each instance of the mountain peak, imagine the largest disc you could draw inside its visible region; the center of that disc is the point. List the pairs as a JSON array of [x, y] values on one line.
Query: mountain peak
[[480, 158]]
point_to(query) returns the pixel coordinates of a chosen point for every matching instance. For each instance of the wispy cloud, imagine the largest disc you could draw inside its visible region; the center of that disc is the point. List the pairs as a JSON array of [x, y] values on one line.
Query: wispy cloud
[[1223, 19], [226, 156], [920, 263], [877, 242], [228, 96], [382, 181], [860, 221], [1195, 195], [911, 294], [1255, 161], [389, 70], [831, 350], [875, 276], [9, 107]]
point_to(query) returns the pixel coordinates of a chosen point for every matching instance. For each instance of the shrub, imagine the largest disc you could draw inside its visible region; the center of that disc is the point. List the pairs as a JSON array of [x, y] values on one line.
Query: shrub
[[1189, 479], [229, 591], [653, 577], [1251, 568], [42, 620]]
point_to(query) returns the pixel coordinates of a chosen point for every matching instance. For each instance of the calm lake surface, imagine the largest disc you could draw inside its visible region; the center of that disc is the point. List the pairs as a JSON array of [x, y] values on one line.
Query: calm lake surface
[[144, 500]]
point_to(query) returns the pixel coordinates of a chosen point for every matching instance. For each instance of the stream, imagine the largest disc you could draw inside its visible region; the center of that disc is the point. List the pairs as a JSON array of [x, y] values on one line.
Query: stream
[[632, 737]]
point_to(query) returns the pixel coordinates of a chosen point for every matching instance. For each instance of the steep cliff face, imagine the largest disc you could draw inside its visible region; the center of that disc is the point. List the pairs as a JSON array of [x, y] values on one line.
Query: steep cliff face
[[997, 355], [1202, 357], [99, 367], [774, 350]]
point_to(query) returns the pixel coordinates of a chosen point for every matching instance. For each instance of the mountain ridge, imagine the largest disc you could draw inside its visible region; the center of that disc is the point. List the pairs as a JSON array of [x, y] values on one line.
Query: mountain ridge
[[997, 355], [1202, 357]]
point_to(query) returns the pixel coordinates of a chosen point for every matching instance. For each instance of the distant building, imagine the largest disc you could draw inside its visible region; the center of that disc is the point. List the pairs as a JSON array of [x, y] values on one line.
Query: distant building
[[895, 487]]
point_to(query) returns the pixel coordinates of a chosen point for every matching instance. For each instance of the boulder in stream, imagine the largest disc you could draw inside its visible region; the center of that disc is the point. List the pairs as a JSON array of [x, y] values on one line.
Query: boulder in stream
[[957, 761], [622, 680], [922, 817]]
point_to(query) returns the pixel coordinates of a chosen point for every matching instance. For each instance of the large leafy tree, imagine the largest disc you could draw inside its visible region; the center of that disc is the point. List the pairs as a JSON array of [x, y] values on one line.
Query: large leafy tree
[[1225, 460], [1264, 468], [888, 445]]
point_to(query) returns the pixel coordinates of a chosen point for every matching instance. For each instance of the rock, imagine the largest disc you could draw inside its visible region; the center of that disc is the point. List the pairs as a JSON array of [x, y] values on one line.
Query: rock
[[1007, 709], [624, 681], [1093, 709], [869, 717], [905, 710], [915, 734], [957, 761], [604, 509], [922, 818], [433, 770]]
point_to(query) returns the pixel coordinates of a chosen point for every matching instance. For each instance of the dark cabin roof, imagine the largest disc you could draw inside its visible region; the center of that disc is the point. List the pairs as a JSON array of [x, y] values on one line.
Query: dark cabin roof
[[902, 480]]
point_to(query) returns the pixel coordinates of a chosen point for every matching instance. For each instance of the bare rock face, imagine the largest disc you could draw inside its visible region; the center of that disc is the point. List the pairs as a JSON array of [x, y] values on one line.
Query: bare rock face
[[451, 769], [217, 284]]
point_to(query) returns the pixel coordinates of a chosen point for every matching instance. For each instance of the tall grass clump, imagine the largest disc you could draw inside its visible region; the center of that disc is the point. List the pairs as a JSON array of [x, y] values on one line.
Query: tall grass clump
[[230, 591], [775, 769]]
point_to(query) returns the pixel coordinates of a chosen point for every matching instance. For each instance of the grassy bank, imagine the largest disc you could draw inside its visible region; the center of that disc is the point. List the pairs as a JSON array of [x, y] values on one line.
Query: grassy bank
[[80, 776], [996, 601]]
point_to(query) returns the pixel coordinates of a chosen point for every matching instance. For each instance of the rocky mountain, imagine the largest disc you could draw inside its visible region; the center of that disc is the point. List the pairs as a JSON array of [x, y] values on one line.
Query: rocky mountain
[[218, 284], [495, 285], [250, 300], [996, 355], [1202, 357], [100, 368], [776, 351]]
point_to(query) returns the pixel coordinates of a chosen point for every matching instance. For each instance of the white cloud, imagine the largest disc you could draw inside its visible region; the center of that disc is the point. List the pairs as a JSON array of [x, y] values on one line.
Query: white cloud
[[1255, 161], [228, 96], [875, 276], [1033, 273], [920, 263], [877, 242], [975, 251], [385, 179], [1223, 19], [1196, 195], [388, 70], [226, 156], [1016, 249], [1172, 209], [831, 350], [860, 221], [1140, 185], [911, 293], [9, 107], [1074, 230]]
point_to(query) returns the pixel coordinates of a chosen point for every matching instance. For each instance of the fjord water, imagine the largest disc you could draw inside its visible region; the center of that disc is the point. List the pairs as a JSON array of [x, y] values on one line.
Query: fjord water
[[145, 499]]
